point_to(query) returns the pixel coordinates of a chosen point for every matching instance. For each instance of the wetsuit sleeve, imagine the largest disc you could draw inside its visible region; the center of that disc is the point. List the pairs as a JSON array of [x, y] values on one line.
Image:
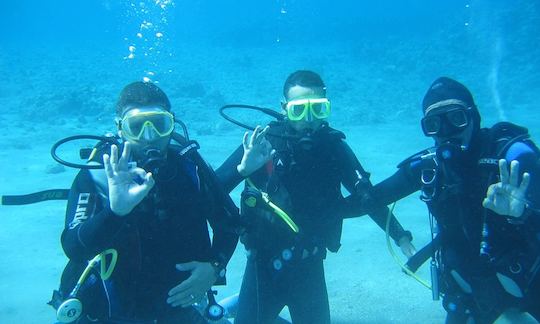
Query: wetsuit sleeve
[[398, 186], [224, 242], [224, 220], [356, 181], [227, 173], [225, 237], [223, 245], [90, 224]]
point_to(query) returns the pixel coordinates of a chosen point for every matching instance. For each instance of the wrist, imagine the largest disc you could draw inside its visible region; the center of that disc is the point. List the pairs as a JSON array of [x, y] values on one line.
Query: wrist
[[119, 212], [406, 237], [518, 220], [241, 170]]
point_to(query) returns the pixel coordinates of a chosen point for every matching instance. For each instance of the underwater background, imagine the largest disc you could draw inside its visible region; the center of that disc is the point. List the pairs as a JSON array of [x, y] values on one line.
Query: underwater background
[[63, 63]]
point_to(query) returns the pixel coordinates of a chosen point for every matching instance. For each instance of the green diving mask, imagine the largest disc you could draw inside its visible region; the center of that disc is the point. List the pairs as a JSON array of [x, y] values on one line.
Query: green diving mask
[[308, 109], [138, 122]]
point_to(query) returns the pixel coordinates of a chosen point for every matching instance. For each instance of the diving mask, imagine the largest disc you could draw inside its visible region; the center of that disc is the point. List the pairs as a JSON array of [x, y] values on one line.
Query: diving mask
[[446, 123], [308, 109], [136, 122]]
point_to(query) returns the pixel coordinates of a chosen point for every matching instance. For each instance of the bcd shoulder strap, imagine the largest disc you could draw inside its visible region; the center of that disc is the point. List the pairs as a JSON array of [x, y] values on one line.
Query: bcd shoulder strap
[[190, 150]]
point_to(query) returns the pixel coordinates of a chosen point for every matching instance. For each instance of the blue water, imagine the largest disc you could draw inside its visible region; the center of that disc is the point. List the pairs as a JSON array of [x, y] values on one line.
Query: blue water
[[63, 63]]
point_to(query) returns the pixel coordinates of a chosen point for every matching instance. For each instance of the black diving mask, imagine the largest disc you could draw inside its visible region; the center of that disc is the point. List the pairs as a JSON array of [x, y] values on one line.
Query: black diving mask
[[446, 123]]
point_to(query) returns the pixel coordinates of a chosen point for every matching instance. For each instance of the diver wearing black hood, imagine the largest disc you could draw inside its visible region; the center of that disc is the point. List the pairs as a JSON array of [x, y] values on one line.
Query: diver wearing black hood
[[488, 258], [291, 209]]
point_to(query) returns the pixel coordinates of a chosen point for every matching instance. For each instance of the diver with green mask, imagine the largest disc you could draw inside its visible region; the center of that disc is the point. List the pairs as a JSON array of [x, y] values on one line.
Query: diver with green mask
[[290, 207], [147, 202]]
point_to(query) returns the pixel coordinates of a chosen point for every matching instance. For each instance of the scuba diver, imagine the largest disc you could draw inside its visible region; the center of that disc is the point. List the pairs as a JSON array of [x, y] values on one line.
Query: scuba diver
[[485, 217], [291, 207], [136, 231]]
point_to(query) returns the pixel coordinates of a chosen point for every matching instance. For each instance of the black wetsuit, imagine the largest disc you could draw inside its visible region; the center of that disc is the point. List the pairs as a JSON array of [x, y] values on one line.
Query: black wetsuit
[[168, 227], [304, 179], [454, 197]]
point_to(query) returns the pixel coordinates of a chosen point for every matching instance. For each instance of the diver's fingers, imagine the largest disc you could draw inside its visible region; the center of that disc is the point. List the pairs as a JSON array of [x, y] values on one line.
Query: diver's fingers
[[264, 131], [245, 143], [108, 167], [148, 183], [503, 171], [514, 173], [525, 182], [183, 287], [254, 136], [138, 173], [114, 158], [184, 294], [261, 134], [123, 162], [184, 299], [492, 190], [141, 174], [488, 203]]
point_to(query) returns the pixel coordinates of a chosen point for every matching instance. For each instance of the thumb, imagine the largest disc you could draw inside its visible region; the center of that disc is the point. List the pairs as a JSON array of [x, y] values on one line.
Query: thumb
[[148, 182], [487, 203], [188, 266]]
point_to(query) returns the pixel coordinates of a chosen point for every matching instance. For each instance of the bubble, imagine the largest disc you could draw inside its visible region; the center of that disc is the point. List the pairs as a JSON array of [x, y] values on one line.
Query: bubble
[[146, 79], [139, 35], [146, 25], [159, 35], [150, 73], [132, 48], [131, 56]]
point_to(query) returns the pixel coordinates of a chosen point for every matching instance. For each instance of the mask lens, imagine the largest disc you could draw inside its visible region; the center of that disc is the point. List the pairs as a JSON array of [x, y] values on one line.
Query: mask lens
[[431, 125], [320, 110], [133, 126], [162, 123], [296, 111], [457, 118]]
